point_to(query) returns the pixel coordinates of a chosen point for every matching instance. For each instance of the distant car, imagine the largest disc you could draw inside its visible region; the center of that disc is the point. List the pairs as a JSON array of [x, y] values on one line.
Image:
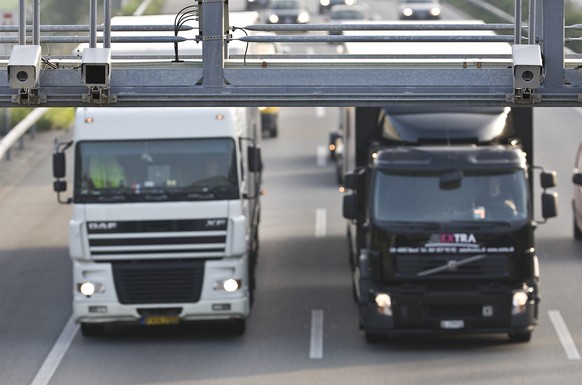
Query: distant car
[[325, 5], [577, 194], [419, 9], [255, 5], [345, 13], [270, 121], [336, 154], [287, 12]]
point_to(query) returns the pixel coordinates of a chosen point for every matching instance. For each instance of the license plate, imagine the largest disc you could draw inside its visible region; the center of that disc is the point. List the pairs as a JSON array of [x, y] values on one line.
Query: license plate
[[160, 320], [452, 324]]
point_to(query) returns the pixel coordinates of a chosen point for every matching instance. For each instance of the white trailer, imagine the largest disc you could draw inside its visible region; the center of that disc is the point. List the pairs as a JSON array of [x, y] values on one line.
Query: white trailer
[[165, 217]]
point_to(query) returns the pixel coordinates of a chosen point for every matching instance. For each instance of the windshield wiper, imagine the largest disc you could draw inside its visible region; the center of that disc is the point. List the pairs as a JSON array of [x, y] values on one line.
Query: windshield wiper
[[156, 197], [111, 198], [415, 224], [480, 223], [451, 265], [201, 195]]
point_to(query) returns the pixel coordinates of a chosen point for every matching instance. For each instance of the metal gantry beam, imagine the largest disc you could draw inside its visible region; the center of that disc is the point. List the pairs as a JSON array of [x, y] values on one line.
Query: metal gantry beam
[[245, 79]]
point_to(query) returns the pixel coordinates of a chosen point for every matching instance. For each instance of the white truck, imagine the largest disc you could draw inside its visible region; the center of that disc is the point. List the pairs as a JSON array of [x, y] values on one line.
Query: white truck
[[165, 215]]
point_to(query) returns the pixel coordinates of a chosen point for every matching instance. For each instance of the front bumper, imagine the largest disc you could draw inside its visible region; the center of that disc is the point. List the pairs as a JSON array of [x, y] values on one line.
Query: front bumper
[[113, 312], [455, 312], [109, 305]]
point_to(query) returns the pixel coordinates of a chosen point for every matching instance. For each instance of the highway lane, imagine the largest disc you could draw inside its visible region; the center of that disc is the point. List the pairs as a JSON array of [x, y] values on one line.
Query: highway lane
[[301, 269], [35, 273], [302, 272]]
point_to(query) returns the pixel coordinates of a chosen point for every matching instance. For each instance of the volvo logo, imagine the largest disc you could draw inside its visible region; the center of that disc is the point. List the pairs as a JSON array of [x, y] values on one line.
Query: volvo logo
[[102, 225], [452, 265]]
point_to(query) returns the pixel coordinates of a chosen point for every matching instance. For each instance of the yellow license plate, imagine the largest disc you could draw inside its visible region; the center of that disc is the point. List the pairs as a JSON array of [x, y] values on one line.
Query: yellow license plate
[[160, 320]]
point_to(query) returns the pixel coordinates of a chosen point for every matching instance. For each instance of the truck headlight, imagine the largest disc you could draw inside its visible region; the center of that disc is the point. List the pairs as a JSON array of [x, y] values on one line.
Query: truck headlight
[[384, 303], [273, 19], [89, 288], [324, 3], [303, 18], [407, 12], [519, 303], [229, 285], [435, 12]]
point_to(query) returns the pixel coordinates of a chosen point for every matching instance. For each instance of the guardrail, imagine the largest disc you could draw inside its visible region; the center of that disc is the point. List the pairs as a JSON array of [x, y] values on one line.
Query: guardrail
[[19, 130]]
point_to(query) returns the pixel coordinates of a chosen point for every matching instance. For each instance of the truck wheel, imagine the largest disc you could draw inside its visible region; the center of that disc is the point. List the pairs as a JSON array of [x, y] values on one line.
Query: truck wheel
[[351, 257], [92, 329], [255, 246], [577, 232], [373, 338], [238, 327], [520, 337], [355, 284]]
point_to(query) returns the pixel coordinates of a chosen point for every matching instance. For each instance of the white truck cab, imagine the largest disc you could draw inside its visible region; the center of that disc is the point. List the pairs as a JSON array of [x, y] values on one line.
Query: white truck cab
[[164, 225]]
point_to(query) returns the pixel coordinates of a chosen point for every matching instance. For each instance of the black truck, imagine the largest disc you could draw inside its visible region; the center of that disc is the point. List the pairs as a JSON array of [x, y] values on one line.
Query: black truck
[[440, 219]]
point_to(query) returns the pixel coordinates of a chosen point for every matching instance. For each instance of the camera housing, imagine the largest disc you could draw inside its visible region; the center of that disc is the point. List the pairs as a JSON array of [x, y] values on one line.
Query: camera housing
[[527, 66], [24, 67], [96, 67]]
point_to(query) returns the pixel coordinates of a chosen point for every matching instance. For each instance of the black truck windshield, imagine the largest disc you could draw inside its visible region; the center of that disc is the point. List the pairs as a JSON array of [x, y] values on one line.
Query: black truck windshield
[[432, 197], [155, 170]]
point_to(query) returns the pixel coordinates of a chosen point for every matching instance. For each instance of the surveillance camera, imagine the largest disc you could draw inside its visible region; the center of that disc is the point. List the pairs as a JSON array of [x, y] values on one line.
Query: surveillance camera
[[96, 67], [24, 66], [527, 66]]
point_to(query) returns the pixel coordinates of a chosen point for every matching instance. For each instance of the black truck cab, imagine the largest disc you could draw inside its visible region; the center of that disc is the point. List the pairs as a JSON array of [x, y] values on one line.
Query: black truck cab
[[442, 231]]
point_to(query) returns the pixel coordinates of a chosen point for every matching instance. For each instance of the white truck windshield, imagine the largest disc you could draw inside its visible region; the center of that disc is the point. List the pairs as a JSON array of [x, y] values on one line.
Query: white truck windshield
[[156, 170]]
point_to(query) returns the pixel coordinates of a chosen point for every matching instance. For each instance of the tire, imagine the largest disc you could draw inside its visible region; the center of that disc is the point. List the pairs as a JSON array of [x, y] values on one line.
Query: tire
[[253, 260], [373, 338], [355, 295], [351, 257], [520, 336], [238, 327], [577, 232], [92, 329], [255, 246]]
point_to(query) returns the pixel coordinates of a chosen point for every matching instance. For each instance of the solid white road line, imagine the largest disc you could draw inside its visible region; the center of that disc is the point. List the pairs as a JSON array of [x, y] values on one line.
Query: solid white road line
[[316, 343], [564, 335], [320, 223], [52, 361]]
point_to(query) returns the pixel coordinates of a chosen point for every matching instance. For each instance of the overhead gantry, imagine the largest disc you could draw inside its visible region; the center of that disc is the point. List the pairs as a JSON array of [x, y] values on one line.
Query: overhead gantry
[[515, 63]]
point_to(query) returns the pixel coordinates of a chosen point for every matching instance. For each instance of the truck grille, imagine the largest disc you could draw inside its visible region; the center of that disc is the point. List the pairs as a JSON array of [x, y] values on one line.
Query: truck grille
[[145, 282], [157, 239], [492, 266]]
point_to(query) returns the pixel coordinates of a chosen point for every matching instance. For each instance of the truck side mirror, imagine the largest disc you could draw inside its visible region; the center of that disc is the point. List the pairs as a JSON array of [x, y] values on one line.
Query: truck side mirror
[[60, 186], [354, 180], [254, 159], [577, 179], [59, 165], [548, 179], [549, 205], [350, 180], [350, 206], [59, 170]]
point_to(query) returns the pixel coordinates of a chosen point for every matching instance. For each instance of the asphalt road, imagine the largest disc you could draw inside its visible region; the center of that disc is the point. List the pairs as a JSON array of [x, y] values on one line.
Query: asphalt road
[[303, 285], [303, 328]]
